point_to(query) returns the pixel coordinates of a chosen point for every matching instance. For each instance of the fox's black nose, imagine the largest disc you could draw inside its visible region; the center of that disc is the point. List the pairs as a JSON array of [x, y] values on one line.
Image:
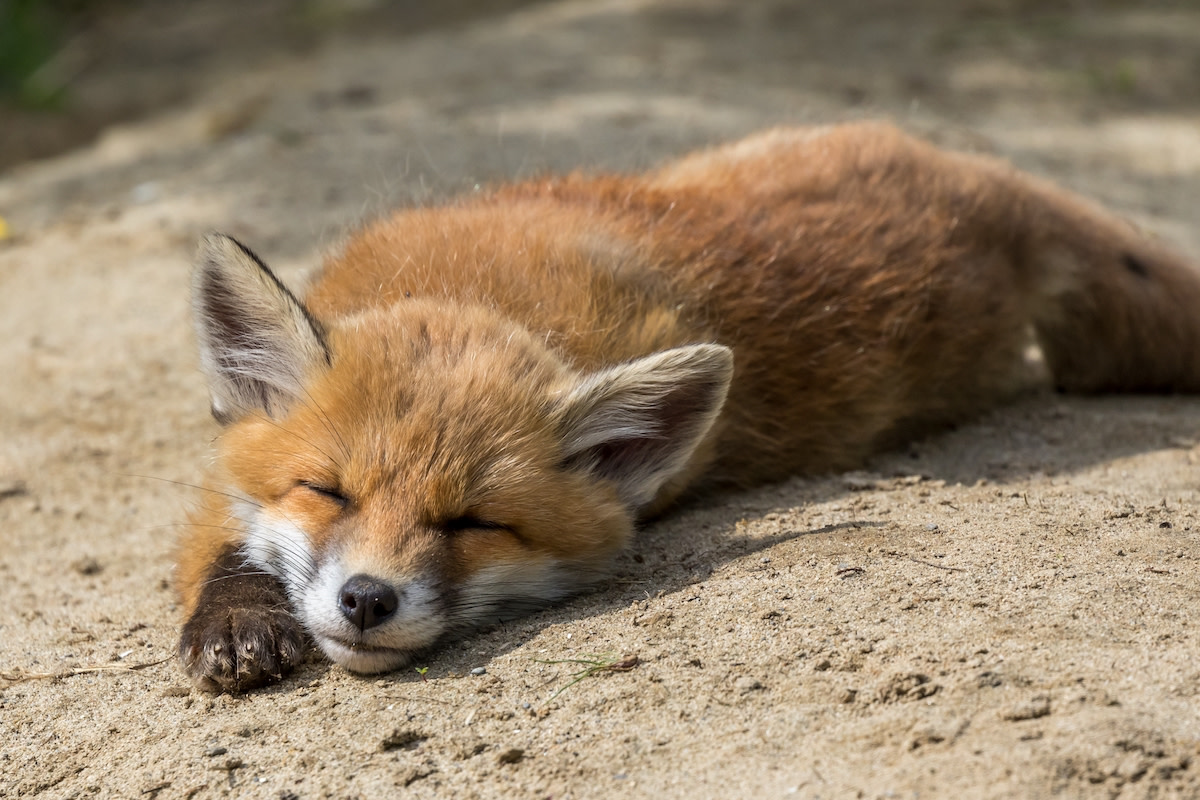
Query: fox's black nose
[[367, 602]]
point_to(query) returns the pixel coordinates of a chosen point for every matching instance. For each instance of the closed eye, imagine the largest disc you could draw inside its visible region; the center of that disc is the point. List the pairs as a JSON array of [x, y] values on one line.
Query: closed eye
[[468, 522], [327, 492]]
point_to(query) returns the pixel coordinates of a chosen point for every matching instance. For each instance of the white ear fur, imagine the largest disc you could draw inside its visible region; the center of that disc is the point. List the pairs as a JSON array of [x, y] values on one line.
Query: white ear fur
[[257, 342], [639, 423]]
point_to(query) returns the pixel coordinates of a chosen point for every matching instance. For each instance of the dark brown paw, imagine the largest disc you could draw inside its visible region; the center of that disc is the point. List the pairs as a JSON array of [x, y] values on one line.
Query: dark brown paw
[[243, 632], [235, 649]]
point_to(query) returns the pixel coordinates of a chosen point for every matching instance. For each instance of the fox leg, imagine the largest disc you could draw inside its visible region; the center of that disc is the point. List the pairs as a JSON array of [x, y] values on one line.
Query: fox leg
[[240, 631]]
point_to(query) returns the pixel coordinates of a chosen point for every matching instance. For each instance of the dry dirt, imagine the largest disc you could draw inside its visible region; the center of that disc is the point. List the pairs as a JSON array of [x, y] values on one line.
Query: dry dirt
[[1006, 610]]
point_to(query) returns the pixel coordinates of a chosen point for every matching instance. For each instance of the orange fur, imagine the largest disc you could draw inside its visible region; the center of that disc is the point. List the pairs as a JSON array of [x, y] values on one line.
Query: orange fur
[[491, 392]]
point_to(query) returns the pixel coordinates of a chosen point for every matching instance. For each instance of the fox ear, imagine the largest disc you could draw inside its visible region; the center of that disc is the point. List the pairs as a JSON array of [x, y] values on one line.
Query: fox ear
[[257, 342], [637, 424]]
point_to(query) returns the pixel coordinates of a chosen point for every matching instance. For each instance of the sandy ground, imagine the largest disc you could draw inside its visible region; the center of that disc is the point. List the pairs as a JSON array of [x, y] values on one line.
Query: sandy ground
[[1006, 610]]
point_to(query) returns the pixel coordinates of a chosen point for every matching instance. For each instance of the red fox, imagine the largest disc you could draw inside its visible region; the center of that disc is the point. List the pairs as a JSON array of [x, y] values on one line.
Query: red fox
[[473, 405]]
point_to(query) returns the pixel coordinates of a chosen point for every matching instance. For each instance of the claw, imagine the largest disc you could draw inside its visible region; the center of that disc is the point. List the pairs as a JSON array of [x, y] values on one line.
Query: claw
[[241, 635]]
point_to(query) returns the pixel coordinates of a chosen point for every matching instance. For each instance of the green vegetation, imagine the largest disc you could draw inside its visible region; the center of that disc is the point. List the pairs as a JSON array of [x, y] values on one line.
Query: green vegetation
[[593, 665], [31, 34]]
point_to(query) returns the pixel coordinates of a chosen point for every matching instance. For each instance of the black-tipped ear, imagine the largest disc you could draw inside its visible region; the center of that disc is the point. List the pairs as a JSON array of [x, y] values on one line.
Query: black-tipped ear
[[258, 344], [639, 423]]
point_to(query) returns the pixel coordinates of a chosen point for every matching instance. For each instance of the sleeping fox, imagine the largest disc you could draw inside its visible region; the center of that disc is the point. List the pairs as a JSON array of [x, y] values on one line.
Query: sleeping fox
[[473, 405]]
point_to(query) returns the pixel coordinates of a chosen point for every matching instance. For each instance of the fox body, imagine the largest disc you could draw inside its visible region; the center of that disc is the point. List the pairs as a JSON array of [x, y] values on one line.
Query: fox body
[[473, 405]]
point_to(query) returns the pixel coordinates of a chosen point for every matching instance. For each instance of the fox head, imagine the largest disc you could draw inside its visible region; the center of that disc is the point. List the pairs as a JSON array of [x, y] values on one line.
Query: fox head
[[414, 471]]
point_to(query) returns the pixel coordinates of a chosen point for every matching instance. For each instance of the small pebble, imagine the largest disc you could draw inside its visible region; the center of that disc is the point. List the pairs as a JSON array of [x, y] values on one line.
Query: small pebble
[[87, 566], [145, 192], [402, 740], [479, 671], [513, 755], [213, 752], [933, 526], [1035, 708], [745, 685]]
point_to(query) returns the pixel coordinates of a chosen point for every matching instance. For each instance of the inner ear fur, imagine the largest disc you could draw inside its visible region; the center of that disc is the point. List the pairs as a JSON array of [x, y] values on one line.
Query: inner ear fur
[[639, 423], [258, 344]]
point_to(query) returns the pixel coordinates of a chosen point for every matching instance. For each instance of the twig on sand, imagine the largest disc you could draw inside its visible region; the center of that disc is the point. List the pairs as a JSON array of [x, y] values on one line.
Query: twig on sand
[[21, 675], [926, 563]]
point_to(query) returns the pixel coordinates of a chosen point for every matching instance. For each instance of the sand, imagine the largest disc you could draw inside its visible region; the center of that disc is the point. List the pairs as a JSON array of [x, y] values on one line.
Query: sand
[[1003, 610]]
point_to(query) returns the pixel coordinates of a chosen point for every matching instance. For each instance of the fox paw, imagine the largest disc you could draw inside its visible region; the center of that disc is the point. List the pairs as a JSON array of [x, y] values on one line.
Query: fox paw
[[235, 649]]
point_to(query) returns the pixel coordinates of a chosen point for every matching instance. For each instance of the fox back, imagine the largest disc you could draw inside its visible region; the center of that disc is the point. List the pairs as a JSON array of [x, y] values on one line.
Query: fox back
[[474, 404]]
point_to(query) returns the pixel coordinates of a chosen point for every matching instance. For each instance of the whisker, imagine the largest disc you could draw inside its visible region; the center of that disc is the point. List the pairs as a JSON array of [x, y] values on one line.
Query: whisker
[[291, 554], [185, 524], [232, 575], [210, 490], [303, 439], [293, 558], [298, 563], [329, 426]]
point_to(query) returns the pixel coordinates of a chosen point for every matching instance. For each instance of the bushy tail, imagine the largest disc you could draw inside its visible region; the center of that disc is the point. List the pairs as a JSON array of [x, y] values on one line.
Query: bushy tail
[[1113, 309]]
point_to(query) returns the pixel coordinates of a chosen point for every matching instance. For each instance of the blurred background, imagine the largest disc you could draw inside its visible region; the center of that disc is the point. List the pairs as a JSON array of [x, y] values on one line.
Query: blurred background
[[71, 68], [365, 104]]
